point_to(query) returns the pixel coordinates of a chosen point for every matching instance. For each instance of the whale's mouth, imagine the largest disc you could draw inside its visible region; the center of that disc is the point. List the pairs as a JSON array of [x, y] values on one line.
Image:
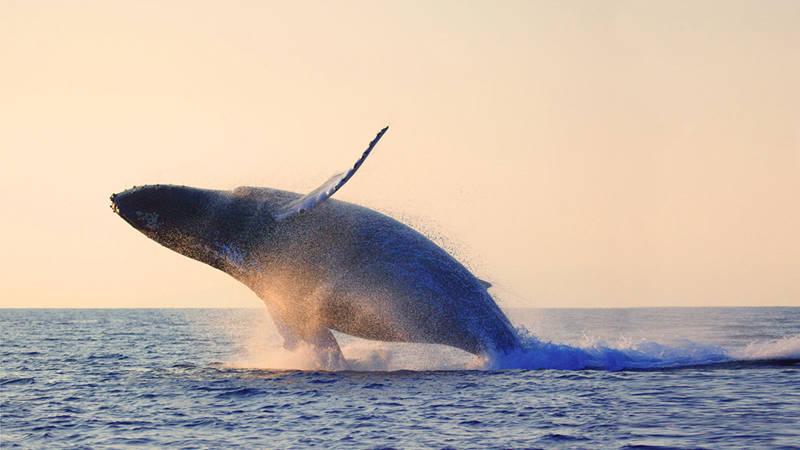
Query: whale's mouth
[[114, 206], [121, 212]]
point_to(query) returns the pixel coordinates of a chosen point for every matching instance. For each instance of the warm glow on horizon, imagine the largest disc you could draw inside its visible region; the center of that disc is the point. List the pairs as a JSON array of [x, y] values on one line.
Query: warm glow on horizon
[[576, 154]]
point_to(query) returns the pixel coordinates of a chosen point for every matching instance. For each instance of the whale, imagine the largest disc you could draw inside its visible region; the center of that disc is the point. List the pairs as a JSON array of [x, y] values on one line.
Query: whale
[[323, 265]]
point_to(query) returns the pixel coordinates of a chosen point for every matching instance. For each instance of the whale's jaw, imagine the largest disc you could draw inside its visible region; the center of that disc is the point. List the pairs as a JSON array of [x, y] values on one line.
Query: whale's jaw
[[138, 207], [126, 213]]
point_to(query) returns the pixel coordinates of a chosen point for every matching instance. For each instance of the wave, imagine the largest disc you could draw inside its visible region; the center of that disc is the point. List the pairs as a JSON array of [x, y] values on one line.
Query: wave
[[538, 354], [12, 381], [259, 347], [535, 354], [785, 348]]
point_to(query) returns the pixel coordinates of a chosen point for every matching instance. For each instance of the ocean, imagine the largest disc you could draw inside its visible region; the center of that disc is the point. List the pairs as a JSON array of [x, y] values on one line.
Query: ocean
[[589, 378]]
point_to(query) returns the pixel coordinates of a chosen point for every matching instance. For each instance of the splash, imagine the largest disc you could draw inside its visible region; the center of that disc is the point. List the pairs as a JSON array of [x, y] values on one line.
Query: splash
[[304, 357], [260, 348], [787, 348], [626, 355], [361, 355], [538, 354]]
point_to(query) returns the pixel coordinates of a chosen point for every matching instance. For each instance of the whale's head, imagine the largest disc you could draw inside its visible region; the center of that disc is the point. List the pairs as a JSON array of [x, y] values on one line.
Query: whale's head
[[211, 226], [163, 211]]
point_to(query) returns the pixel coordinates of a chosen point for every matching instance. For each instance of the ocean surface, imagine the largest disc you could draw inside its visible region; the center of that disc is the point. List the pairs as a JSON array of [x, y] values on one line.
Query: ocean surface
[[588, 378]]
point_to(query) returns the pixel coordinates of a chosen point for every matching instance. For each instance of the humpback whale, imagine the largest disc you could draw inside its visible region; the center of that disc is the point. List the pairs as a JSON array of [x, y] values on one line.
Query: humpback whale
[[320, 264]]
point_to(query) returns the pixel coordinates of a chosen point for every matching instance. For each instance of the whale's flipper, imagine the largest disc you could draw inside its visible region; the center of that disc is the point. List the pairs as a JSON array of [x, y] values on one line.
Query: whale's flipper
[[328, 188], [326, 350], [327, 353]]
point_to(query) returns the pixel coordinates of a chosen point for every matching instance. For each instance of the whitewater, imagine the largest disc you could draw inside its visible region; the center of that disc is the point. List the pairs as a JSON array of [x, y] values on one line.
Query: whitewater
[[660, 377], [567, 340]]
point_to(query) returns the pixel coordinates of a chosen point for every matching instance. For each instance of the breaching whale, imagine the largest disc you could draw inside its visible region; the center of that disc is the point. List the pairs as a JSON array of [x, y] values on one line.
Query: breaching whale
[[321, 264]]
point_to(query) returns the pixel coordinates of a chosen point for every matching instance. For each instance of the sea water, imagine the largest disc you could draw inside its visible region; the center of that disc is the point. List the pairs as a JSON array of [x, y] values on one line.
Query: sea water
[[588, 378]]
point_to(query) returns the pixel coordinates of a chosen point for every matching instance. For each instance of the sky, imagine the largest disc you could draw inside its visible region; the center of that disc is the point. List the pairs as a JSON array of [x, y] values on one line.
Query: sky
[[574, 153]]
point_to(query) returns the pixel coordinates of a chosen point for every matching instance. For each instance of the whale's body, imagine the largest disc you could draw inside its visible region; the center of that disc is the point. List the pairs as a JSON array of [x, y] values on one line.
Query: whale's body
[[325, 265]]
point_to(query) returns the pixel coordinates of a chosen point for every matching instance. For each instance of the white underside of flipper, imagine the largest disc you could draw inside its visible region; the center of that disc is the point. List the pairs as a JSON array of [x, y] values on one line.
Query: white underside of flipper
[[328, 188]]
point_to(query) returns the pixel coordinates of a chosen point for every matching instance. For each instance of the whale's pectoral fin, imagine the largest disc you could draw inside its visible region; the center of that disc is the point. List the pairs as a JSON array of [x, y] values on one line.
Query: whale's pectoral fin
[[292, 338], [327, 353], [320, 194]]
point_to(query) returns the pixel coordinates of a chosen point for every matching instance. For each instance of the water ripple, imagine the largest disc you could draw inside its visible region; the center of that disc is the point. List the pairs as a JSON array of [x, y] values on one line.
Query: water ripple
[[74, 378]]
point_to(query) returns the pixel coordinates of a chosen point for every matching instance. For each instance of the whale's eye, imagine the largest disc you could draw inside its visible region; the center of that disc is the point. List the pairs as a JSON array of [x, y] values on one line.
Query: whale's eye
[[302, 210]]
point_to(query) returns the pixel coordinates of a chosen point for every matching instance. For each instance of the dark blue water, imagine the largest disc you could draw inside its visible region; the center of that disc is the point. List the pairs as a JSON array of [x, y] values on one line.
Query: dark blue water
[[709, 377]]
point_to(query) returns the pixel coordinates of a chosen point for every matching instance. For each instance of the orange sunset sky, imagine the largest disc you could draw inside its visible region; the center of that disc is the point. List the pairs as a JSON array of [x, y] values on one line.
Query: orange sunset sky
[[575, 153]]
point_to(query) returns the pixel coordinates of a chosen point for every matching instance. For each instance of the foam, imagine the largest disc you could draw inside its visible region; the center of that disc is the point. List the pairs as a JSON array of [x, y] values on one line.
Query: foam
[[262, 350], [785, 348], [538, 354]]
